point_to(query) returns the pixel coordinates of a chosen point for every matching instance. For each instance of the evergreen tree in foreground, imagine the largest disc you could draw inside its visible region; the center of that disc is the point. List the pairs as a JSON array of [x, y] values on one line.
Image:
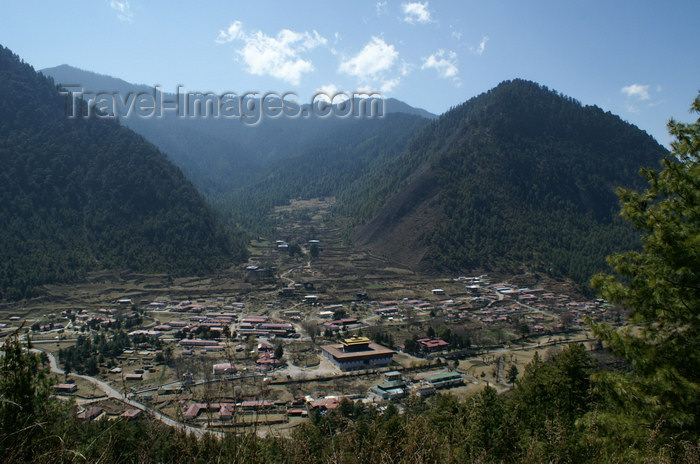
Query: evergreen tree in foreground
[[659, 395]]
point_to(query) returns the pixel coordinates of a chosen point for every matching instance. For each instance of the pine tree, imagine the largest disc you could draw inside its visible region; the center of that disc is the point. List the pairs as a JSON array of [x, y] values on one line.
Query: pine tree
[[512, 374], [660, 285], [27, 411]]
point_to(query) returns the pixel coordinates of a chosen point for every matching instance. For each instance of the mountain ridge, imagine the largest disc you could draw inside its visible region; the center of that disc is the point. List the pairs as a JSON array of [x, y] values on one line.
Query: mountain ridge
[[81, 194], [513, 159]]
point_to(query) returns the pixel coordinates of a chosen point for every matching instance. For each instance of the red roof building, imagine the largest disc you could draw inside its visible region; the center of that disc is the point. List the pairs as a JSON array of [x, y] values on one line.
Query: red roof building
[[433, 344]]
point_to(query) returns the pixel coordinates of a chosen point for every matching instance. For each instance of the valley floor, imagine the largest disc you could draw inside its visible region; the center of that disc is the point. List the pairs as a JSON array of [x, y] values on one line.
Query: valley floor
[[263, 324]]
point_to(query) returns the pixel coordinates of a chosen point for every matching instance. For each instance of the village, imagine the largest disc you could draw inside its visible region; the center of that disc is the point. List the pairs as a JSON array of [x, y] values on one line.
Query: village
[[292, 334]]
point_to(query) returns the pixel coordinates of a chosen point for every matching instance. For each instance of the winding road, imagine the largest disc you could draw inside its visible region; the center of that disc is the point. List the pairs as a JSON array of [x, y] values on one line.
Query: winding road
[[112, 393]]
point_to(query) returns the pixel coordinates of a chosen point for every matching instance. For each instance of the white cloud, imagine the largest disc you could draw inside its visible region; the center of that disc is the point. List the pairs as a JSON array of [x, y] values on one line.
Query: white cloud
[[123, 10], [279, 57], [382, 8], [457, 35], [444, 62], [482, 46], [336, 38], [416, 12], [376, 64], [375, 58], [638, 91], [405, 68], [389, 85], [234, 31]]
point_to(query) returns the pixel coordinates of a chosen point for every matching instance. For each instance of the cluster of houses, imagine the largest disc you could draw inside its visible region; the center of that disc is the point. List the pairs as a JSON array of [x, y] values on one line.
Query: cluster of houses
[[219, 322], [215, 322], [344, 323], [207, 346], [94, 413], [266, 358], [226, 412], [540, 310], [198, 306], [79, 319], [49, 327]]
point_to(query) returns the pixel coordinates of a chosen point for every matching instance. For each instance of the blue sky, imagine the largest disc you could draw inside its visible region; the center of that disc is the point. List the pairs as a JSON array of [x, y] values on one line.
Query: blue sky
[[639, 59]]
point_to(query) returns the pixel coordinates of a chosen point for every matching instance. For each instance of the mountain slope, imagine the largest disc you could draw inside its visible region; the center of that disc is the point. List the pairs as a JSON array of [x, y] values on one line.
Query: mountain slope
[[517, 177], [78, 194]]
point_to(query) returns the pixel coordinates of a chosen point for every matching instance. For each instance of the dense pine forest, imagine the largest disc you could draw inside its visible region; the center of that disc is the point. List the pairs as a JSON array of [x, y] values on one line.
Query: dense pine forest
[[82, 194]]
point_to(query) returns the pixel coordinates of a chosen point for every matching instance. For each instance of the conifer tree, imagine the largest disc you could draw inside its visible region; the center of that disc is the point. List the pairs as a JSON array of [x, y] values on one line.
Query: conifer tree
[[659, 394]]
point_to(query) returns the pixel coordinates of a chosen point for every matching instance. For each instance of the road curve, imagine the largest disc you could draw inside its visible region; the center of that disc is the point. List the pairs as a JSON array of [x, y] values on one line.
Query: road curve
[[112, 393]]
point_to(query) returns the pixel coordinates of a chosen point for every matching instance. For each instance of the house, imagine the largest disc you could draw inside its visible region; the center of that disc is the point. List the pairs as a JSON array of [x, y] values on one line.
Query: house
[[358, 353], [254, 320], [424, 389], [338, 324], [433, 344], [386, 311], [446, 380], [198, 342], [131, 414], [264, 346], [224, 410], [326, 404], [223, 369], [266, 360], [65, 388], [389, 390], [90, 414]]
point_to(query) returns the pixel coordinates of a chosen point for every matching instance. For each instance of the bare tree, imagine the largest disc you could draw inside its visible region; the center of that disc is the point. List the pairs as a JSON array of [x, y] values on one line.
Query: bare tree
[[311, 329]]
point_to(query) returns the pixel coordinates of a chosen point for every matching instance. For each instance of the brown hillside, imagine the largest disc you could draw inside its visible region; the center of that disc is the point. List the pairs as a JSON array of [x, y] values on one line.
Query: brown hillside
[[395, 231]]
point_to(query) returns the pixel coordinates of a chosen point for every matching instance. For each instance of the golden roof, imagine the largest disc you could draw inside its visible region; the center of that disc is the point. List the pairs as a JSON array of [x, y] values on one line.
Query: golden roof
[[356, 341]]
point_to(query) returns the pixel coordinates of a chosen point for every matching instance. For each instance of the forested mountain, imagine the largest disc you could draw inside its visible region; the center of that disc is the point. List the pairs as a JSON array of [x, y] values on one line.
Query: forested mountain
[[78, 194], [518, 176]]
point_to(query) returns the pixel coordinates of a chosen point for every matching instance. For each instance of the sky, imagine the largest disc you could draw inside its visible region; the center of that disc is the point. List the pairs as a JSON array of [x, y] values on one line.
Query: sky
[[638, 59]]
